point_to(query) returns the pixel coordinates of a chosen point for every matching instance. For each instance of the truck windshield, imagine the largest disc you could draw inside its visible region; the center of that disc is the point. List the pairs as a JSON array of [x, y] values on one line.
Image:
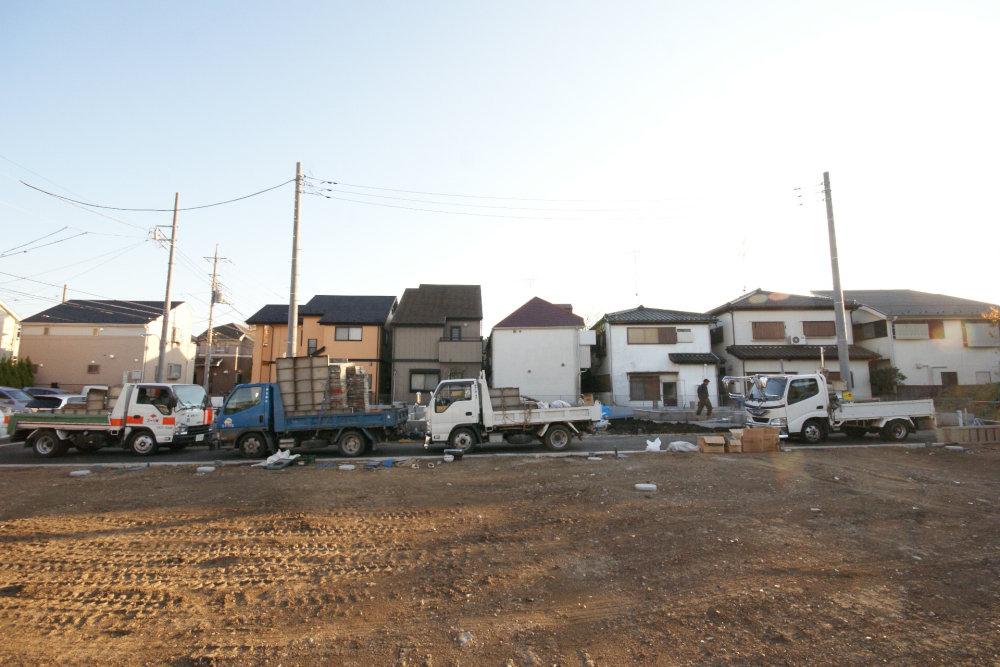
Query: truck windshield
[[190, 395], [771, 389]]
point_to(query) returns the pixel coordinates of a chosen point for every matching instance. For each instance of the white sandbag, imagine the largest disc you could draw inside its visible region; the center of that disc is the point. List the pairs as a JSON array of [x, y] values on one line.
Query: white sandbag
[[682, 446], [559, 404], [653, 445], [282, 455]]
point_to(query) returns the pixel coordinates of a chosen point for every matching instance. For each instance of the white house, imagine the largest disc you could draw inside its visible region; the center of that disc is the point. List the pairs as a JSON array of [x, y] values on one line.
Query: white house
[[772, 332], [541, 348], [933, 339], [10, 333], [650, 357]]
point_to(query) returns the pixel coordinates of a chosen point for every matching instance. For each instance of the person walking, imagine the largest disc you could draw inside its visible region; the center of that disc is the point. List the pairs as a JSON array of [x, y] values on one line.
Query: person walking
[[703, 400]]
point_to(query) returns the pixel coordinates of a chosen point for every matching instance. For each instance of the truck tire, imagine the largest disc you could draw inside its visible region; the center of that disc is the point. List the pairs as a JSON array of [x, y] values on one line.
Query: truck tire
[[47, 444], [813, 432], [895, 431], [463, 438], [143, 443], [253, 446], [351, 443], [558, 437]]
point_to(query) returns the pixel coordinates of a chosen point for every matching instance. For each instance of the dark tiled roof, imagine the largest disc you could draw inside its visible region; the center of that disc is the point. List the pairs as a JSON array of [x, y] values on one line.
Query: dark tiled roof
[[272, 313], [643, 315], [910, 303], [85, 311], [855, 352], [694, 358], [231, 331], [762, 300], [433, 304], [541, 313], [338, 309]]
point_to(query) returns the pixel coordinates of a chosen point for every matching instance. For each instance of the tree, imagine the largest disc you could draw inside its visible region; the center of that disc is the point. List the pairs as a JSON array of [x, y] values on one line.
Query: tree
[[16, 373], [885, 380]]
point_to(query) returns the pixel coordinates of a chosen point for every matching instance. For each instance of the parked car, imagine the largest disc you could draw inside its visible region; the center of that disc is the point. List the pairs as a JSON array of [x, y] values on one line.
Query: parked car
[[54, 402], [14, 399], [45, 391]]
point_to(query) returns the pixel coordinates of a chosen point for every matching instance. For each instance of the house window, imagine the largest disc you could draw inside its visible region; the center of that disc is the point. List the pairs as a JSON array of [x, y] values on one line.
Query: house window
[[173, 371], [685, 336], [311, 345], [347, 333], [45, 331], [819, 329], [95, 331], [644, 387], [936, 329], [949, 378], [424, 380], [652, 335], [911, 330], [869, 330], [93, 369], [768, 330], [455, 333]]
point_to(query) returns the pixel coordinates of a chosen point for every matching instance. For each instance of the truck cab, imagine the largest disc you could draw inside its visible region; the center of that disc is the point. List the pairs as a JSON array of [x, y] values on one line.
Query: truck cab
[[787, 402]]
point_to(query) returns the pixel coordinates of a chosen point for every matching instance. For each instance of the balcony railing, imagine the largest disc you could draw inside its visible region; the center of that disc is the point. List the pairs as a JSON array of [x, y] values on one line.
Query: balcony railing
[[468, 350]]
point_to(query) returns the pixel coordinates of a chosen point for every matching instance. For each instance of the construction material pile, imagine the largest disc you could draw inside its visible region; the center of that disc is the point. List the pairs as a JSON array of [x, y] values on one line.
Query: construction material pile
[[742, 441], [313, 384], [98, 400]]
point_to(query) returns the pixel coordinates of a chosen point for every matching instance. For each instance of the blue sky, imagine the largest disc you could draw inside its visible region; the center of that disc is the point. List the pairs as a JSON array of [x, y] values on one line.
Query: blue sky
[[673, 135]]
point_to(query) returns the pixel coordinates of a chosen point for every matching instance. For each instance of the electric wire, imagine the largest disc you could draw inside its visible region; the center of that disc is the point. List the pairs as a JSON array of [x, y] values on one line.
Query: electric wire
[[22, 252], [4, 252], [157, 210]]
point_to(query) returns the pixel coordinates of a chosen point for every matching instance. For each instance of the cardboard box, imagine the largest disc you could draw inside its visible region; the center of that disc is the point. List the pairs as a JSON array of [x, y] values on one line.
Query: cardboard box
[[762, 439], [712, 444], [736, 433], [734, 446]]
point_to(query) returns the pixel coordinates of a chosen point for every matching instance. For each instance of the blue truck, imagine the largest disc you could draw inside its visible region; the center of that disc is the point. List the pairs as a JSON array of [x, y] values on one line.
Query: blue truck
[[254, 421]]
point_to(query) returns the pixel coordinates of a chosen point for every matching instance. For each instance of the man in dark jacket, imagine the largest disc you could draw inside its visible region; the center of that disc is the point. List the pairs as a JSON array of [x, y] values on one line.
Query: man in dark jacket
[[703, 401]]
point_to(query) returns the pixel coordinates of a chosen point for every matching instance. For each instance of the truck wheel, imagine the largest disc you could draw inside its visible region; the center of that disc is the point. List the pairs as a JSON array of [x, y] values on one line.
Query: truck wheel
[[462, 438], [252, 446], [895, 431], [856, 431], [351, 443], [46, 443], [142, 443], [813, 432], [557, 438]]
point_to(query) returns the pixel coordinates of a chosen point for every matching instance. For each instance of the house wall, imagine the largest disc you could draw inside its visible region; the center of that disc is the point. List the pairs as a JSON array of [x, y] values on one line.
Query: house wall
[[417, 347], [63, 354], [923, 361], [544, 363], [738, 328], [9, 330], [623, 359]]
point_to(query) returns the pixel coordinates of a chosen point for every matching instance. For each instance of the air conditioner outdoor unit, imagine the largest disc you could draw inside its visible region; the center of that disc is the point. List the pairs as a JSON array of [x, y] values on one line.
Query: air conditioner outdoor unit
[[797, 340], [133, 376]]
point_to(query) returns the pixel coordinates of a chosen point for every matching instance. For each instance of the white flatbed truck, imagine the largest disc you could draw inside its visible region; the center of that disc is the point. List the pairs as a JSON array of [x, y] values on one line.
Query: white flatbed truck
[[806, 407], [461, 415]]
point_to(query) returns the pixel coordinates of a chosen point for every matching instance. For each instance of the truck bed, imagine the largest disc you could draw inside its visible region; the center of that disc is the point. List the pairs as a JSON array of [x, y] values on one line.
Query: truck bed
[[59, 420], [338, 420], [517, 417], [880, 409]]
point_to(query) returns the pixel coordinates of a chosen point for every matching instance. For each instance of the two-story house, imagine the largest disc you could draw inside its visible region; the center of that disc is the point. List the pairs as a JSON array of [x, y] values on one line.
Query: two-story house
[[773, 332], [232, 356], [933, 339], [348, 328], [651, 357], [436, 334], [541, 348], [81, 342]]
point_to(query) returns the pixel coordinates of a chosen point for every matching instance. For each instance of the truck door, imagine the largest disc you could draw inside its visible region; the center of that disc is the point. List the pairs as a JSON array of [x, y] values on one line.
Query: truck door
[[804, 402], [453, 404], [245, 410], [152, 408]]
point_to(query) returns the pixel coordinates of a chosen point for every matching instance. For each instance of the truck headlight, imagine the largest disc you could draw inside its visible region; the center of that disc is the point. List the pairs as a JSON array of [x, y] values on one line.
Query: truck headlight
[[182, 430], [779, 421]]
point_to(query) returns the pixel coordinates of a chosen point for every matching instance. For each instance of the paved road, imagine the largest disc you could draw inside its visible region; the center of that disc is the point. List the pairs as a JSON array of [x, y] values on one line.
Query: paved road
[[16, 453]]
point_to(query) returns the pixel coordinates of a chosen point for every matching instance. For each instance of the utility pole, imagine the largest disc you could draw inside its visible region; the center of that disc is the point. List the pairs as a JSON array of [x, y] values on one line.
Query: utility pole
[[838, 294], [293, 306], [65, 287], [207, 379], [166, 297]]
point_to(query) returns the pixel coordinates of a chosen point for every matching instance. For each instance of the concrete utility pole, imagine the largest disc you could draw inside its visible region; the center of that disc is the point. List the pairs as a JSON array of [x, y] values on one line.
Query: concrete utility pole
[[293, 306], [164, 332], [65, 287], [838, 294], [207, 380]]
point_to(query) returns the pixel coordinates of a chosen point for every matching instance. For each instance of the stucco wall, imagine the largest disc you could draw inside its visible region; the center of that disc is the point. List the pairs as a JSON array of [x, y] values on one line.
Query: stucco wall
[[543, 363]]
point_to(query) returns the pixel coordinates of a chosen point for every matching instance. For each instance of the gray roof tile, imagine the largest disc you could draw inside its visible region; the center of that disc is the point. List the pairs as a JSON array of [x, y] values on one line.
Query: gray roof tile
[[910, 303], [644, 315], [433, 304], [113, 311]]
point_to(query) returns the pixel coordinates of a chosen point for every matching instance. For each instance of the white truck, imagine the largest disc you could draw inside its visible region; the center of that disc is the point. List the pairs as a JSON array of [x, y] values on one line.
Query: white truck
[[806, 407], [463, 414], [140, 419]]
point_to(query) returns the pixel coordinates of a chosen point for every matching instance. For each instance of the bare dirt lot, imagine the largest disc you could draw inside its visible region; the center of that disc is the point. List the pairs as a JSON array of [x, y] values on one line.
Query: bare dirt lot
[[843, 556]]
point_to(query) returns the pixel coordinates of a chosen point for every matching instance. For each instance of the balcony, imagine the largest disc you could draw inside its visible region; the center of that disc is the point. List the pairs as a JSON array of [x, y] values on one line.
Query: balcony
[[467, 350]]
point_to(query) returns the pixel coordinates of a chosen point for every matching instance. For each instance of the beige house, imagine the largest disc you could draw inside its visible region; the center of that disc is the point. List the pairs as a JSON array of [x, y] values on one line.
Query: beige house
[[349, 328], [10, 325], [436, 335], [83, 342]]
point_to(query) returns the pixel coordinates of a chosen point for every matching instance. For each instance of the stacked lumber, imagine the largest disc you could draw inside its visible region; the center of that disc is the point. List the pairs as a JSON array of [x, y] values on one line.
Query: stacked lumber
[[505, 398], [358, 389], [313, 384]]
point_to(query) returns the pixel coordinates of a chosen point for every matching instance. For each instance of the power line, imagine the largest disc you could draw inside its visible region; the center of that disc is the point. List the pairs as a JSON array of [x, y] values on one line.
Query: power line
[[157, 210], [142, 308], [82, 261], [21, 252], [431, 210], [34, 241]]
